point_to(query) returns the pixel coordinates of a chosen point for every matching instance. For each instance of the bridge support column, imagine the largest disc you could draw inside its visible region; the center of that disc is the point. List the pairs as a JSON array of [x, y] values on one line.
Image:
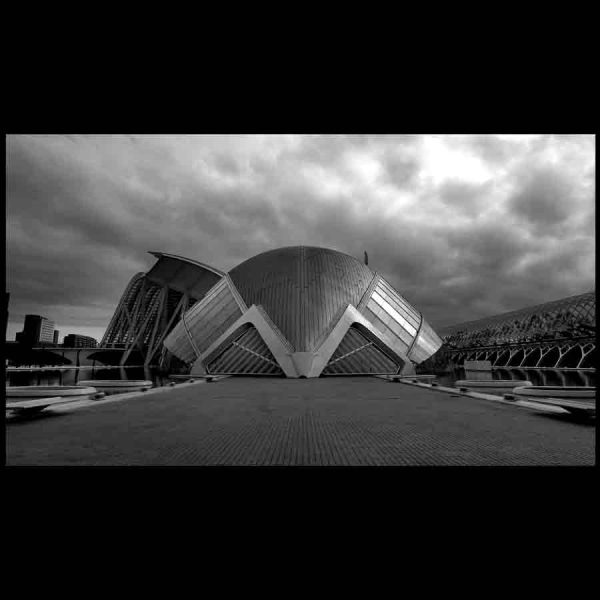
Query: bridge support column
[[590, 348], [527, 352], [543, 355]]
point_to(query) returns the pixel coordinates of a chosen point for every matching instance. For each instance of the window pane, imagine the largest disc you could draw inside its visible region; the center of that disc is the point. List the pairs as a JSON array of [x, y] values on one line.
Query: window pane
[[406, 311], [380, 325], [404, 318], [405, 314], [405, 336], [394, 314], [383, 286], [370, 315], [373, 306]]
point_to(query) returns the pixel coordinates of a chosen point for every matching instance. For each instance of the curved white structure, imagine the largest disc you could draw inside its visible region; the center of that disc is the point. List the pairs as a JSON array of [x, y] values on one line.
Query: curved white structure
[[493, 383], [557, 391], [302, 311], [44, 391], [109, 384], [154, 301], [24, 407]]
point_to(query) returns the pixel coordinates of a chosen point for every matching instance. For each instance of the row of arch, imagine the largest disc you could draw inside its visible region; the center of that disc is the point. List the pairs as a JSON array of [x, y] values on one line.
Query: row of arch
[[548, 376], [566, 355]]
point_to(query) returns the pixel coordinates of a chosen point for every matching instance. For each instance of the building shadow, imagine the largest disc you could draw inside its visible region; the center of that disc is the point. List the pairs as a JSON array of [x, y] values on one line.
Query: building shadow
[[580, 419], [20, 418]]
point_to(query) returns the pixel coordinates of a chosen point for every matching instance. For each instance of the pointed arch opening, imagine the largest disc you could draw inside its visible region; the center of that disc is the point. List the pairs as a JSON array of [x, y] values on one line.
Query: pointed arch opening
[[502, 359], [551, 358], [244, 353], [571, 358], [532, 359], [517, 358], [360, 353]]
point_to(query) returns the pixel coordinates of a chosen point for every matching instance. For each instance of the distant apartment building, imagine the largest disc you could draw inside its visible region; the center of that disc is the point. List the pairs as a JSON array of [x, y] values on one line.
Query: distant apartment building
[[46, 331], [55, 340], [74, 340], [36, 330]]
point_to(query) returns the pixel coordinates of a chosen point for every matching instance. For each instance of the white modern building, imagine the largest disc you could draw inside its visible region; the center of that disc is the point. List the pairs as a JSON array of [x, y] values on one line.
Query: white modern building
[[292, 312]]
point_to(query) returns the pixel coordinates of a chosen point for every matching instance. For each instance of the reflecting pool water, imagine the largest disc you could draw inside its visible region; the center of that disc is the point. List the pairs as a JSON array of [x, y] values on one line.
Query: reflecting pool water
[[49, 376], [572, 377]]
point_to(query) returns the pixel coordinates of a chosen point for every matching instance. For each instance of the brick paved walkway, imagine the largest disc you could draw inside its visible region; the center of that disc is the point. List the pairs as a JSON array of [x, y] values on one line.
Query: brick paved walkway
[[332, 421]]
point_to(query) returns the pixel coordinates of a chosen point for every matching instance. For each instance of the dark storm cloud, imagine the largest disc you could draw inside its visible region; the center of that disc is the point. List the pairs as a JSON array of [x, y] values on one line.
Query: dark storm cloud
[[401, 171], [464, 227], [463, 196], [544, 197], [492, 149]]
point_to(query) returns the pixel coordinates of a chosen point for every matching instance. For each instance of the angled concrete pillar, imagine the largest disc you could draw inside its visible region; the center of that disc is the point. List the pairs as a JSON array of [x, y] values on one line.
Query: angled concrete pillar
[[277, 344], [351, 315], [303, 362]]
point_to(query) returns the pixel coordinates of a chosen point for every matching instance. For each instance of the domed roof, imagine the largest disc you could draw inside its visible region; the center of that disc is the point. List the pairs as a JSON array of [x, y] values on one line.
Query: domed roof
[[302, 288]]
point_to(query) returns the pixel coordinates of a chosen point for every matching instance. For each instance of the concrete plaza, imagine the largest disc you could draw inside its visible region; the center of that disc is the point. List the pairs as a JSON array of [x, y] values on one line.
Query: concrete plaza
[[326, 421]]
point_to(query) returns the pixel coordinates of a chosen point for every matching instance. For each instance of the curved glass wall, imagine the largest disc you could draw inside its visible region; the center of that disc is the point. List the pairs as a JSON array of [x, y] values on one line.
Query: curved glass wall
[[206, 321], [391, 314]]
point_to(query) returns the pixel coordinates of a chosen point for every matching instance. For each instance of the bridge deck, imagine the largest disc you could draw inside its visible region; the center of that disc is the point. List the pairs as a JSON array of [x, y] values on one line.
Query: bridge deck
[[333, 421]]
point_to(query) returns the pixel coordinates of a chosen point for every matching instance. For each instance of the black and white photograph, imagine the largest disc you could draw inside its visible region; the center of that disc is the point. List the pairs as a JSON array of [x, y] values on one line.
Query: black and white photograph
[[300, 300]]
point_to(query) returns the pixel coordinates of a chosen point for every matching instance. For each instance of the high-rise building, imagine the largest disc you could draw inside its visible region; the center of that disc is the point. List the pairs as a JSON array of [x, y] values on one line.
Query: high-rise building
[[37, 329], [74, 340], [5, 311], [55, 340], [47, 331]]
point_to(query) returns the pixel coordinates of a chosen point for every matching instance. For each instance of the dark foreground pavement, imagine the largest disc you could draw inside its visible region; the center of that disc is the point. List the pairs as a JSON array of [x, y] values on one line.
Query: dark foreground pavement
[[341, 421]]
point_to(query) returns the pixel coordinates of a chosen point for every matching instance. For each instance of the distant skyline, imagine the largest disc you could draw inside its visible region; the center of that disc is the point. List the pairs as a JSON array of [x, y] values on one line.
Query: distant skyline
[[463, 226]]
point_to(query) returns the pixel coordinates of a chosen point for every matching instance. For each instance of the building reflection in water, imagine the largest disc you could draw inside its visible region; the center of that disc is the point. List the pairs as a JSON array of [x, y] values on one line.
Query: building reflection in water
[[562, 377], [73, 376]]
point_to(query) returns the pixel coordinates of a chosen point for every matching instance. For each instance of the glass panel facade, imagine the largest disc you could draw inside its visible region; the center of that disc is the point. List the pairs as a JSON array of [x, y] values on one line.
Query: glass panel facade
[[205, 322], [427, 344], [403, 339], [390, 313], [178, 343], [399, 303], [394, 314]]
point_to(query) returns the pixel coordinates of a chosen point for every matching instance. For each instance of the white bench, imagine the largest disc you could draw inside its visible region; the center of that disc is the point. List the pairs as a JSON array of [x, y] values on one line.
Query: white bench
[[28, 407]]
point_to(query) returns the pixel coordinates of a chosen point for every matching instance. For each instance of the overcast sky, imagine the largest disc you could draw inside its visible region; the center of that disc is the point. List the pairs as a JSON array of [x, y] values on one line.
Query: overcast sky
[[463, 226]]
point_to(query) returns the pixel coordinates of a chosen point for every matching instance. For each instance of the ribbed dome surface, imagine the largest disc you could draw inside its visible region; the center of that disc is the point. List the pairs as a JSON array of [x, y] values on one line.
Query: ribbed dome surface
[[302, 288]]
